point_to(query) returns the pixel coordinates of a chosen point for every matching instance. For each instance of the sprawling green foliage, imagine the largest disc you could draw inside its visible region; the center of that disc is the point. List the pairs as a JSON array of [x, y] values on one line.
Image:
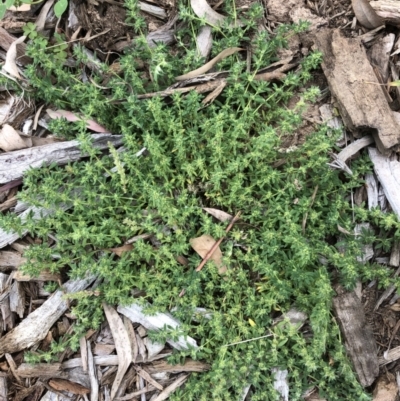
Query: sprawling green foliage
[[227, 155]]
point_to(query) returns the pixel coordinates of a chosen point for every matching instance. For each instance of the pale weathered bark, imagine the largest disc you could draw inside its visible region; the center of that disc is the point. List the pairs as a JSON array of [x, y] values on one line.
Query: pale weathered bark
[[353, 83]]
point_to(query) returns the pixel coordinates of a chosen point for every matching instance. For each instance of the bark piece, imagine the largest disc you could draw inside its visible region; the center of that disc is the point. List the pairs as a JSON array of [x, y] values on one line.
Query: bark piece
[[388, 173], [189, 366], [171, 388], [17, 299], [389, 356], [43, 276], [389, 10], [14, 164], [353, 83], [11, 259], [122, 345], [358, 336], [379, 54], [372, 190], [40, 370], [94, 384], [156, 322], [3, 387], [34, 328]]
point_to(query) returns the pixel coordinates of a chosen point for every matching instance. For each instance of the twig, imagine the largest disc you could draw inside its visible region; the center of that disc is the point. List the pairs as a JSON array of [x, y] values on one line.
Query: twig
[[216, 245]]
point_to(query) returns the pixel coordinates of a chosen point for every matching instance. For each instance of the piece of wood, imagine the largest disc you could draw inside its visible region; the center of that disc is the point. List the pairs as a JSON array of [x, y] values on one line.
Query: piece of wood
[[11, 259], [156, 322], [388, 173], [43, 276], [94, 384], [40, 370], [389, 10], [171, 388], [389, 356], [35, 326], [14, 164], [354, 85], [372, 190], [122, 346], [359, 339], [17, 299], [3, 387], [189, 366]]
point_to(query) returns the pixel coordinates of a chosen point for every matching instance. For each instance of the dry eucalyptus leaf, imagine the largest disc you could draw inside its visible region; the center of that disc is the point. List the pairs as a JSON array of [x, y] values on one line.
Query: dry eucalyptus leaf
[[10, 65], [365, 14], [10, 139], [41, 19], [206, 67], [202, 246], [218, 214], [122, 346], [66, 385], [202, 9], [73, 117], [122, 249]]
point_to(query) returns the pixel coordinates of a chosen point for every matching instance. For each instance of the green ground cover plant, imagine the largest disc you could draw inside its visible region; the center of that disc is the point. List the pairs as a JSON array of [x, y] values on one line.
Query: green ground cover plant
[[227, 155]]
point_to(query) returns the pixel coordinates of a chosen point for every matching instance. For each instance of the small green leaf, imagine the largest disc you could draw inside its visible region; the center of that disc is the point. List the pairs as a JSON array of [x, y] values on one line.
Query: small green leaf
[[60, 7], [394, 83], [4, 6]]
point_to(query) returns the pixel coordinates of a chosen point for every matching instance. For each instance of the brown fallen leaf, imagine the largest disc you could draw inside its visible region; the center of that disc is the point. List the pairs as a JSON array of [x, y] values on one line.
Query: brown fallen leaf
[[73, 117], [10, 139], [202, 246], [365, 14], [122, 346], [66, 385], [218, 214], [10, 65], [206, 67], [121, 249]]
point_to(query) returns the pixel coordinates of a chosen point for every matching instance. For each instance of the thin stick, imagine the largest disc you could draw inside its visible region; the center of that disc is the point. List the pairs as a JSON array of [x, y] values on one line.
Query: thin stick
[[216, 245]]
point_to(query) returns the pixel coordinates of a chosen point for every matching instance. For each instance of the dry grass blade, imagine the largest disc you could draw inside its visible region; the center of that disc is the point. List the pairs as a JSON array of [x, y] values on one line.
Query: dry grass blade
[[202, 9], [365, 14], [10, 65], [207, 67], [122, 346], [171, 388]]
